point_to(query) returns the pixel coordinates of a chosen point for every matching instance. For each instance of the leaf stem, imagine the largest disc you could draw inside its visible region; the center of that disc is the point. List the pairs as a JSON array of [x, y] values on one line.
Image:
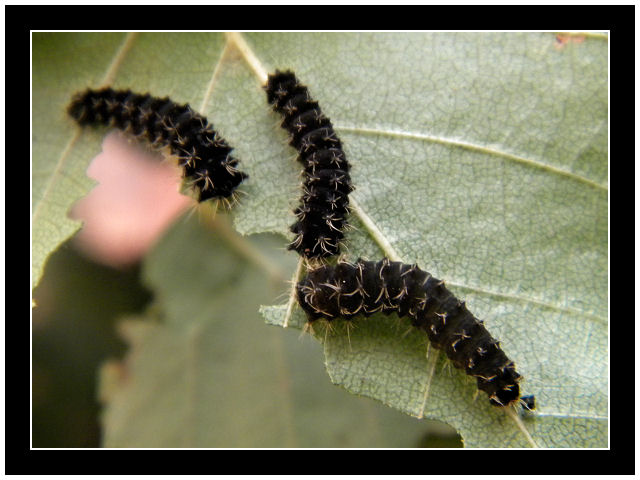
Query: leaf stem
[[431, 366], [110, 74], [375, 232], [239, 42], [292, 296], [511, 412]]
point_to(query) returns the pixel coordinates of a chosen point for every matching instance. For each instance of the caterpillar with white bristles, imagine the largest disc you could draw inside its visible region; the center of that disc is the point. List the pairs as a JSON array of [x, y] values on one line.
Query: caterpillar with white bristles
[[364, 288], [324, 206], [204, 156]]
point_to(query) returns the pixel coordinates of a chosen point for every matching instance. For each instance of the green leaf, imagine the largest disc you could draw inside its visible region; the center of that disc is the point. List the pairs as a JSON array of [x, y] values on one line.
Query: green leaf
[[482, 157]]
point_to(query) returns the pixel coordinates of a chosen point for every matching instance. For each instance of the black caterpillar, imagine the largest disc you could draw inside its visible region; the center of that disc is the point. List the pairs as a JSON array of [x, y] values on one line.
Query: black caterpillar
[[327, 184], [365, 288], [204, 156]]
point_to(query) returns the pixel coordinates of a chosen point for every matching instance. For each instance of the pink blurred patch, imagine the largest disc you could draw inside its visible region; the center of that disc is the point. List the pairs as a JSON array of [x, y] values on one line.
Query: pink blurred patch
[[563, 39], [136, 200]]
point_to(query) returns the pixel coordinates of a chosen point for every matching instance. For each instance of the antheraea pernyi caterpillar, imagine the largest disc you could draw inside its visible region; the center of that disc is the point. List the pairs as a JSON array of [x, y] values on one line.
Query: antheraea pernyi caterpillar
[[365, 287], [324, 206], [204, 156]]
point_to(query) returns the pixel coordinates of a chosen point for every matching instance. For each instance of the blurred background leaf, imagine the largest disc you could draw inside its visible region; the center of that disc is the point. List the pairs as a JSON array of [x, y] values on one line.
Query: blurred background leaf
[[208, 373], [482, 157]]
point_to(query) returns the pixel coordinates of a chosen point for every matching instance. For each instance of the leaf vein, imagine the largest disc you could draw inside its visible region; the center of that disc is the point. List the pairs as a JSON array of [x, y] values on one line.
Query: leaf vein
[[108, 78], [473, 147]]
